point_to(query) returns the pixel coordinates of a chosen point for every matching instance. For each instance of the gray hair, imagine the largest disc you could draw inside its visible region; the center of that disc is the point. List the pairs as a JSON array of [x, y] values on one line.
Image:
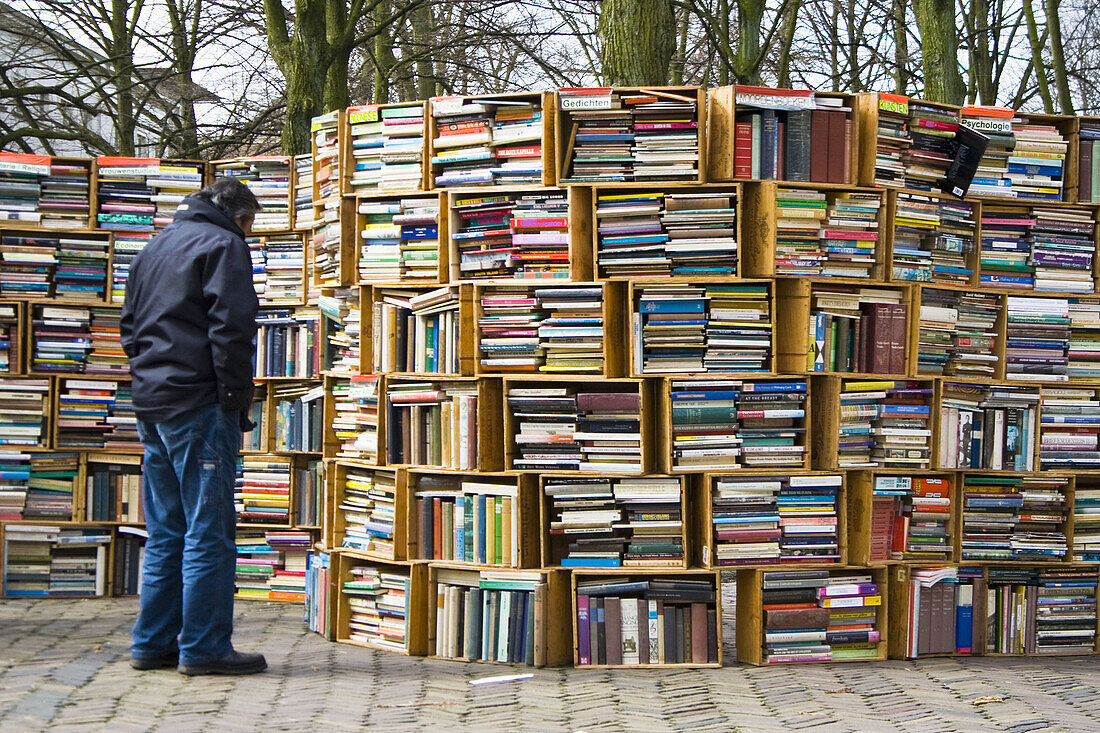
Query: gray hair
[[231, 197]]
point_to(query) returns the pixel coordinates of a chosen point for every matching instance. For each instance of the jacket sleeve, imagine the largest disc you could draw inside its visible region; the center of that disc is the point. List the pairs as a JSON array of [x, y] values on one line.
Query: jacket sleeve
[[231, 307], [126, 319]]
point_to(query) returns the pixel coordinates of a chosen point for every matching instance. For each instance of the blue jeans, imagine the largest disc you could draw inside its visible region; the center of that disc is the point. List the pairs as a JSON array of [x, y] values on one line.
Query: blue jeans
[[189, 570]]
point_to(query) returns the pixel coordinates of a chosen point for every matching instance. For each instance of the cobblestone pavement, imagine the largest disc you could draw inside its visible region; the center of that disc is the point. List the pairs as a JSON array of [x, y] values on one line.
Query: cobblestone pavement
[[63, 666]]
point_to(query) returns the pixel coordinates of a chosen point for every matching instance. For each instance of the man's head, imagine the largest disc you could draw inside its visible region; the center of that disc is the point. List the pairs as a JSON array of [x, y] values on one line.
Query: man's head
[[234, 199]]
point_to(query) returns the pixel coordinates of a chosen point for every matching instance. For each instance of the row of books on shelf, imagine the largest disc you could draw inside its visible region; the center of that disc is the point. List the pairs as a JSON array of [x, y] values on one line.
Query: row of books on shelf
[[274, 490]]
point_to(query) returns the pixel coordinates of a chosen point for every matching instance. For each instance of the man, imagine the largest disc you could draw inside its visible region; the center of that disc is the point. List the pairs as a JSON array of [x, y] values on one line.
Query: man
[[188, 326]]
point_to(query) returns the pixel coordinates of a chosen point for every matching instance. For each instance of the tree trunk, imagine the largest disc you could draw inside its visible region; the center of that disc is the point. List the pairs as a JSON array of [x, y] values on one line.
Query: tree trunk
[[123, 55], [940, 49], [305, 89], [183, 61], [901, 48], [423, 32], [982, 60], [1058, 56], [1037, 57], [676, 73], [723, 29], [638, 38], [746, 63], [790, 24]]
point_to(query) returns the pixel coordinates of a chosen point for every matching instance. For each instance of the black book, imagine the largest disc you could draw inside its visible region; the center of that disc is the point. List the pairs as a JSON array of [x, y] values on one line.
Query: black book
[[967, 150]]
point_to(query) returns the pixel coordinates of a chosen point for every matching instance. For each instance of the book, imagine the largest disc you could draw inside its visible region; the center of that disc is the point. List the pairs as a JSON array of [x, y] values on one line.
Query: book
[[432, 424], [288, 344], [278, 268], [957, 333], [511, 236], [885, 424], [398, 239], [475, 609], [268, 177], [857, 330], [1037, 338], [24, 411], [417, 331], [386, 143], [355, 417], [378, 604], [911, 518], [1013, 518], [342, 321], [488, 140], [988, 426], [934, 239], [262, 490]]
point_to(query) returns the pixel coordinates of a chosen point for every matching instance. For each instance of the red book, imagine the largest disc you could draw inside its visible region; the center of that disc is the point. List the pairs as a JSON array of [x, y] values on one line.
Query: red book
[[837, 150], [819, 146], [699, 633], [898, 333], [437, 528], [742, 150]]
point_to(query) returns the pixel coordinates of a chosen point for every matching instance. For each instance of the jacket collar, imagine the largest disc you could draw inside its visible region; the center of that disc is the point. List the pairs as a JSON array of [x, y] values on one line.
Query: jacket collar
[[195, 209]]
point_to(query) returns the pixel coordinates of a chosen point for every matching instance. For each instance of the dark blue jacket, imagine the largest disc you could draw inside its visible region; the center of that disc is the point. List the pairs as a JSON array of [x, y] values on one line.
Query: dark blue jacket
[[189, 320]]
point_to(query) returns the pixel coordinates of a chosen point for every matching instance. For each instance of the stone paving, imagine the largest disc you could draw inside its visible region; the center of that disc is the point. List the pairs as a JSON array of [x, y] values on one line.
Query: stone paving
[[63, 666]]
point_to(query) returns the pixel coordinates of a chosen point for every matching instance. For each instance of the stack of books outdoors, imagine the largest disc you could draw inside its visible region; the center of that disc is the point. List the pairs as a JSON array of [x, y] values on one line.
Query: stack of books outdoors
[[943, 611], [660, 620], [892, 140], [114, 493], [355, 417], [487, 141], [417, 331], [378, 607], [263, 490], [342, 322], [827, 234], [932, 130], [400, 239], [1088, 157], [490, 616], [1086, 519], [387, 146], [24, 411], [44, 191], [642, 135], [992, 176], [327, 229], [571, 428], [78, 563], [303, 192], [287, 344], [278, 267], [256, 563], [27, 263], [289, 581], [11, 338], [318, 593], [51, 485], [1069, 429], [15, 473], [268, 177], [738, 424], [310, 505], [857, 330], [885, 423], [1041, 611], [702, 328], [94, 414], [463, 520], [820, 616], [910, 518], [933, 239], [1084, 339], [1036, 164], [994, 427], [957, 333], [763, 520], [432, 424], [1037, 338], [106, 355], [1007, 517], [81, 271], [613, 522], [552, 329], [299, 417], [644, 234], [61, 339], [27, 559], [366, 499], [511, 235], [129, 556]]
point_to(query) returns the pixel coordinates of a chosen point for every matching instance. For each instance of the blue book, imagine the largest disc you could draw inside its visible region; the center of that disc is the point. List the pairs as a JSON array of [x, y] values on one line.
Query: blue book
[[695, 305], [590, 562]]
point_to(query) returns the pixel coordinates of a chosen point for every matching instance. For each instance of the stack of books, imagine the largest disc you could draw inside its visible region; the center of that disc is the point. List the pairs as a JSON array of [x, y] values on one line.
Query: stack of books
[[943, 612], [432, 424], [1037, 339], [649, 234], [65, 199], [60, 339], [554, 329], [106, 355], [417, 331], [1041, 611], [21, 186], [387, 147], [613, 522], [833, 235], [1014, 517], [1086, 519], [1035, 166], [1063, 245], [355, 417], [1088, 157], [988, 426], [278, 268], [27, 559], [79, 563], [738, 424], [51, 486], [1069, 429], [643, 135], [487, 141], [885, 423], [992, 176], [1005, 248], [400, 239], [256, 564], [318, 593], [857, 330], [460, 520], [11, 339], [342, 322], [326, 198], [114, 493], [15, 473], [820, 616], [24, 411], [957, 333], [27, 263], [129, 556], [491, 616], [378, 606], [268, 177], [263, 490], [572, 428], [662, 620], [910, 518], [95, 415], [521, 235], [299, 418], [287, 344], [309, 493], [81, 272], [762, 520], [367, 502], [932, 131], [303, 191], [892, 140], [289, 581], [933, 239], [702, 328]]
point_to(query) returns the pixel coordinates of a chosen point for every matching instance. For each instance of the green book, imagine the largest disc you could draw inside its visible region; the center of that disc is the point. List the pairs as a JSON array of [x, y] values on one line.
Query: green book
[[448, 531], [498, 540]]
